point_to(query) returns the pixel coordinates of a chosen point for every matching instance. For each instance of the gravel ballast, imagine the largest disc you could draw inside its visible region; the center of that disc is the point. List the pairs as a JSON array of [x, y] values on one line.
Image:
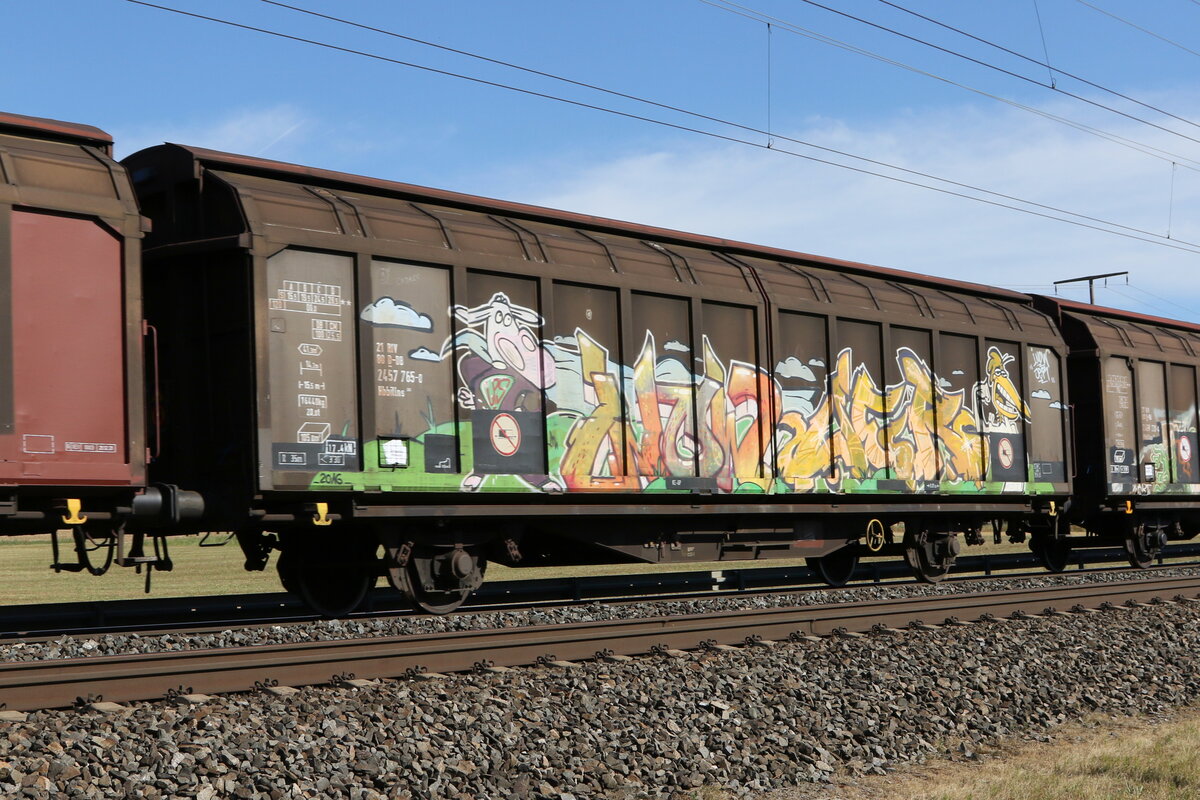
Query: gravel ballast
[[327, 630], [745, 721]]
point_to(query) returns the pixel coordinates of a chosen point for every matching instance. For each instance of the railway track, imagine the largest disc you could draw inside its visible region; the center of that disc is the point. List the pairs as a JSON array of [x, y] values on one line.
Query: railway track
[[194, 613], [32, 685]]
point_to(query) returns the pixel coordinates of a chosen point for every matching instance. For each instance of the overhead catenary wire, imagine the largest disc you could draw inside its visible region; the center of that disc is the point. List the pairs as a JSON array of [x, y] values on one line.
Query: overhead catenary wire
[[1153, 309], [770, 135], [1032, 60], [1081, 220], [1135, 26], [1081, 289], [1171, 203], [1042, 287], [1042, 32], [770, 139], [760, 16], [1141, 147], [1162, 299]]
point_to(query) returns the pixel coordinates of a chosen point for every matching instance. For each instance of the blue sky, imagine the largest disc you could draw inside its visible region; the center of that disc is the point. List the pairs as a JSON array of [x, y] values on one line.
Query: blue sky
[[147, 76]]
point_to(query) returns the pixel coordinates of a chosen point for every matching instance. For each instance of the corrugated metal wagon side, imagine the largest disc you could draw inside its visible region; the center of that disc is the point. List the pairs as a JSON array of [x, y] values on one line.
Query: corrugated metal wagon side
[[349, 360]]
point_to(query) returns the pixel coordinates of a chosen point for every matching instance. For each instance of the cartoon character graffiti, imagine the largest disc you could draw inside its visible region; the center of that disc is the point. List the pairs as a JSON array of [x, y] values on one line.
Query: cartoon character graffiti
[[1002, 410], [503, 369], [999, 401]]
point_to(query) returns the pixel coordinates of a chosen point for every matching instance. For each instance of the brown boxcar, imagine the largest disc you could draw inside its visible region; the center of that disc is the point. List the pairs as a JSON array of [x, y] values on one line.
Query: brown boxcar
[[72, 442], [469, 379], [1134, 381]]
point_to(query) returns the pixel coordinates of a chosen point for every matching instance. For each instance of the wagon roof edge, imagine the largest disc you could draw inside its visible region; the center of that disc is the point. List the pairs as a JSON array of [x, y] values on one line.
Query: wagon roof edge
[[73, 130], [266, 166]]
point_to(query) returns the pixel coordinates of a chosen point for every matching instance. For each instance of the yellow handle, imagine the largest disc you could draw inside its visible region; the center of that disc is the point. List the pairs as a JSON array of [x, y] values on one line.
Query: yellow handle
[[72, 517]]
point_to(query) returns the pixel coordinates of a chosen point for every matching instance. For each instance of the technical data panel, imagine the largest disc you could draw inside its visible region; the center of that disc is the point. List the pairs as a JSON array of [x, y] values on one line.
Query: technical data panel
[[1120, 434], [312, 406], [63, 417]]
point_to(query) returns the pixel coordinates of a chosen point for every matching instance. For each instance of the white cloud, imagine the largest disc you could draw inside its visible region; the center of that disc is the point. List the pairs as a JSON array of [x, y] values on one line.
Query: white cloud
[[272, 132], [677, 346], [424, 354], [1040, 394], [768, 198], [396, 314], [1057, 404], [816, 362], [958, 372]]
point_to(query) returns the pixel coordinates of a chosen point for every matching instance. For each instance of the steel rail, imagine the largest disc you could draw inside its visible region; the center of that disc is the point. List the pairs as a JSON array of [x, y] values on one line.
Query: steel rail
[[45, 620], [30, 685]]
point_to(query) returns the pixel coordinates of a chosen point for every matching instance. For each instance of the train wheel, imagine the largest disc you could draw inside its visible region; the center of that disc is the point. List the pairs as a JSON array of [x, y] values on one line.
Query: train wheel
[[1053, 553], [285, 566], [1143, 545], [835, 569], [330, 578], [439, 580], [931, 555], [334, 592]]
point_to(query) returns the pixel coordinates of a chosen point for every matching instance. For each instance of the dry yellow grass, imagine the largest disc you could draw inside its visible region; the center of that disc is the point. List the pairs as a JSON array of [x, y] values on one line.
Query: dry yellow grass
[[1102, 758], [26, 577], [1156, 763]]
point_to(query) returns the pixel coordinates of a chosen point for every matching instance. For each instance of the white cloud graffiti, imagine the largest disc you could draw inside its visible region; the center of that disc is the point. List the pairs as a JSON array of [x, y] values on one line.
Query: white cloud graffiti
[[793, 367], [424, 354], [396, 314]]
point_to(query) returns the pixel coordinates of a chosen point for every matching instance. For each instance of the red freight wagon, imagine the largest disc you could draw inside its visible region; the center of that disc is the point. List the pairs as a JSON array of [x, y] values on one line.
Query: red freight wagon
[[73, 447]]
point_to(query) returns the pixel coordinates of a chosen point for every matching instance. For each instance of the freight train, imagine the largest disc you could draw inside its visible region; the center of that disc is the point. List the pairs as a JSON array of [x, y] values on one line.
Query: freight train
[[371, 378]]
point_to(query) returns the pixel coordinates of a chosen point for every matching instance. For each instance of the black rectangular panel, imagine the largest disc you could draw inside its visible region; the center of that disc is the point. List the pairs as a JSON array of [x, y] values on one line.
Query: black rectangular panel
[[507, 443]]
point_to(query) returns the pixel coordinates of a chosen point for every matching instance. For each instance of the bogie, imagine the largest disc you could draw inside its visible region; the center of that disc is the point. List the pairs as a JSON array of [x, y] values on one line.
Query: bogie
[[931, 554]]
